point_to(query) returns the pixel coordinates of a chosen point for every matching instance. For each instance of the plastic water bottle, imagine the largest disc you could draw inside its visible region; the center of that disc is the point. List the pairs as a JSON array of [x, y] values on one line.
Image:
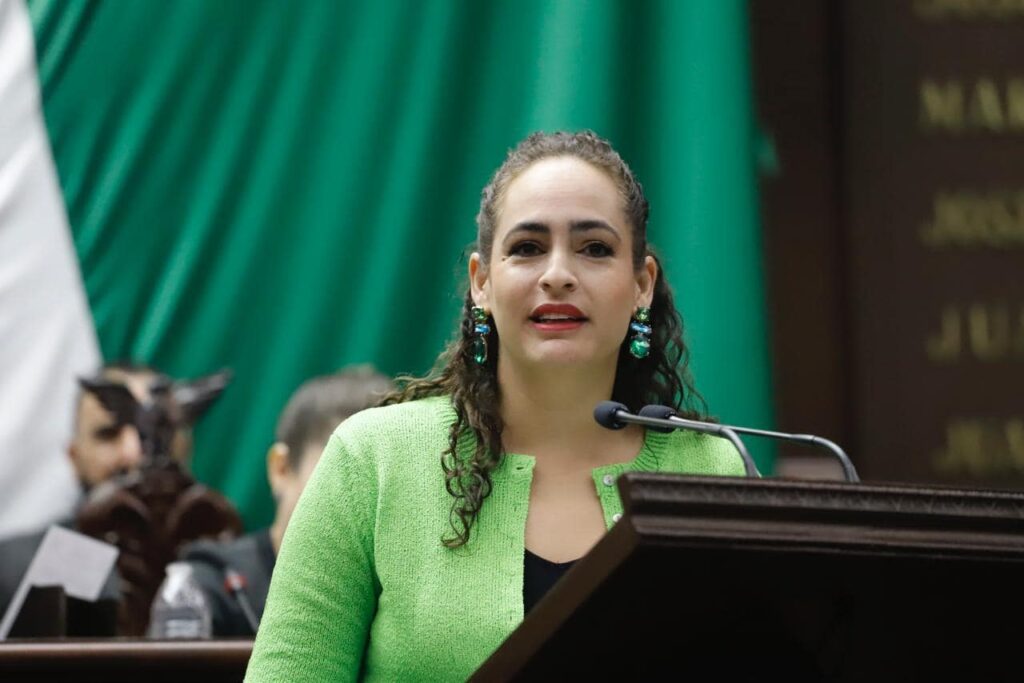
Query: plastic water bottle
[[180, 609]]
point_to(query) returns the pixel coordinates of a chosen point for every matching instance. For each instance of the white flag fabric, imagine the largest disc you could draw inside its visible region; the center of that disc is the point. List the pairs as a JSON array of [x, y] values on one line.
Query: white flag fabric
[[47, 335]]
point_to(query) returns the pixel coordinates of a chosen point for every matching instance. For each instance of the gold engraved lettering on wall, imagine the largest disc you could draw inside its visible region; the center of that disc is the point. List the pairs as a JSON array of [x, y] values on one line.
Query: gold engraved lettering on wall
[[981, 331], [964, 218], [981, 447], [983, 104], [969, 9]]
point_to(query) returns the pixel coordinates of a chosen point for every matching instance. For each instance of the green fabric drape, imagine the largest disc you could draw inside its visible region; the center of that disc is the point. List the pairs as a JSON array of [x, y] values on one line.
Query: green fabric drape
[[286, 189]]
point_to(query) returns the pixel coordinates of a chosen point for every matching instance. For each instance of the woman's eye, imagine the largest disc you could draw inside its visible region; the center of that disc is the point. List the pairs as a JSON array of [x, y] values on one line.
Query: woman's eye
[[524, 249], [597, 249]]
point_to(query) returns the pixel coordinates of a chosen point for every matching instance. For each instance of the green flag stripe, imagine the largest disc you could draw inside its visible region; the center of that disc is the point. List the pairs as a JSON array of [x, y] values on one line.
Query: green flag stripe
[[287, 192]]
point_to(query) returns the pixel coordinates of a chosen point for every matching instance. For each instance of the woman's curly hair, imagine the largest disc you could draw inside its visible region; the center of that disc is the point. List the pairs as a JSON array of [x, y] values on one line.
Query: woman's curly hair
[[662, 377]]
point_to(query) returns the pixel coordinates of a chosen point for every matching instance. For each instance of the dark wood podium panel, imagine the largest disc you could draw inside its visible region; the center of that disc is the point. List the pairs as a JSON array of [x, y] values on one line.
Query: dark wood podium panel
[[751, 579], [116, 660]]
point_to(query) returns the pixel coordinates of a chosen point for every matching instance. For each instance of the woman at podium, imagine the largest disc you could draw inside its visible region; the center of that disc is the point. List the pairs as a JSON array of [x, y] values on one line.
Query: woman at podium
[[433, 523]]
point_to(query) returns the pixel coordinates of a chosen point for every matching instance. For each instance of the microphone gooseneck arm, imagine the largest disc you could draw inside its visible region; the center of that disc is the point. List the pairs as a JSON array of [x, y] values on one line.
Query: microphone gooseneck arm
[[849, 471], [235, 583], [748, 462], [614, 415]]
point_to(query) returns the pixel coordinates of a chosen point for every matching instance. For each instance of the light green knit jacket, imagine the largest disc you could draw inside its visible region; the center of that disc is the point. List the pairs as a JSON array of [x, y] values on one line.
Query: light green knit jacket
[[363, 587]]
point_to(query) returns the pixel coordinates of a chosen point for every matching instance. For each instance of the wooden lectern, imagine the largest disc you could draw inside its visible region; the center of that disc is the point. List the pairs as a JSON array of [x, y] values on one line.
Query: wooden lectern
[[756, 579]]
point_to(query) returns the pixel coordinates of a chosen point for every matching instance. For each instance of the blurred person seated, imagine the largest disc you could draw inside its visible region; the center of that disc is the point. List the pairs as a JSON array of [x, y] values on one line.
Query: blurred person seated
[[235, 575], [99, 451]]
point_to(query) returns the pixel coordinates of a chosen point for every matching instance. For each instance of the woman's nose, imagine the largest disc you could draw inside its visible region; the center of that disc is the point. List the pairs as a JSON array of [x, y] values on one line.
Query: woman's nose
[[559, 272]]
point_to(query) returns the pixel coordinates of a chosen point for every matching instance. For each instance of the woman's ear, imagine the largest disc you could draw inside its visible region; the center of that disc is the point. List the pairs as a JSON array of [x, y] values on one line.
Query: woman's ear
[[646, 278], [479, 285]]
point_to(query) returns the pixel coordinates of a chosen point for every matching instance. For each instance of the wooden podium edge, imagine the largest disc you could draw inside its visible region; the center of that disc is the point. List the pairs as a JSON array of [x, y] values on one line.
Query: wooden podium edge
[[778, 515]]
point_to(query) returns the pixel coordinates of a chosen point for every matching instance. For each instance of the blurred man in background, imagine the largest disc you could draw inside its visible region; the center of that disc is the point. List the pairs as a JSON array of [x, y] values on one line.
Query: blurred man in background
[[100, 447], [235, 575]]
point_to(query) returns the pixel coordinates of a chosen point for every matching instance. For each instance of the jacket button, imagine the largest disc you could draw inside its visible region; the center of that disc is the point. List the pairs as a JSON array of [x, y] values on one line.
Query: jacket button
[[617, 516], [608, 480]]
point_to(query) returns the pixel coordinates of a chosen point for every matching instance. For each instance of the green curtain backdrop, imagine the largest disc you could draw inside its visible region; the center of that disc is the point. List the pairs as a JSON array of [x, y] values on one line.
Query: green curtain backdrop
[[286, 188]]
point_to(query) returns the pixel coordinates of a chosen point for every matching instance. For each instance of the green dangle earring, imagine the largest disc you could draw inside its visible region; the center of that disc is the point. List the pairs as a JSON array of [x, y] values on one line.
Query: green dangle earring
[[640, 344], [481, 328]]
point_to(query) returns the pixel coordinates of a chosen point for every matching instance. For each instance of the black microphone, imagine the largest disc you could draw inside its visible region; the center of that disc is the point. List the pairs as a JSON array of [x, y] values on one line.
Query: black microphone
[[614, 415], [849, 471], [235, 583]]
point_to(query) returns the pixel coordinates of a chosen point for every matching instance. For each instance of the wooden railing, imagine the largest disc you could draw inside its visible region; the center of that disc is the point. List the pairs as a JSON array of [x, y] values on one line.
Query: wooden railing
[[115, 660]]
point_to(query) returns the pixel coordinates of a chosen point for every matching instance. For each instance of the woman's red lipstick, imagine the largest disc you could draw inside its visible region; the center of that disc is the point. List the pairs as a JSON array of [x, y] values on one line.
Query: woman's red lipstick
[[557, 317]]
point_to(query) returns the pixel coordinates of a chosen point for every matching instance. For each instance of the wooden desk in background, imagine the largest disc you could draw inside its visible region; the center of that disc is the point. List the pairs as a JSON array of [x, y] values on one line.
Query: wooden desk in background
[[114, 660]]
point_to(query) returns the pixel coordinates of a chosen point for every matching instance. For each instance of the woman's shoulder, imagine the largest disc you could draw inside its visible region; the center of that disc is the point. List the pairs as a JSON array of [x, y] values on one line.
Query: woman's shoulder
[[692, 453], [423, 421]]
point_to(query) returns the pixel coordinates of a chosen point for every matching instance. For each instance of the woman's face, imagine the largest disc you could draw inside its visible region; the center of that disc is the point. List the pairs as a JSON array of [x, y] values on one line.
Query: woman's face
[[560, 282]]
